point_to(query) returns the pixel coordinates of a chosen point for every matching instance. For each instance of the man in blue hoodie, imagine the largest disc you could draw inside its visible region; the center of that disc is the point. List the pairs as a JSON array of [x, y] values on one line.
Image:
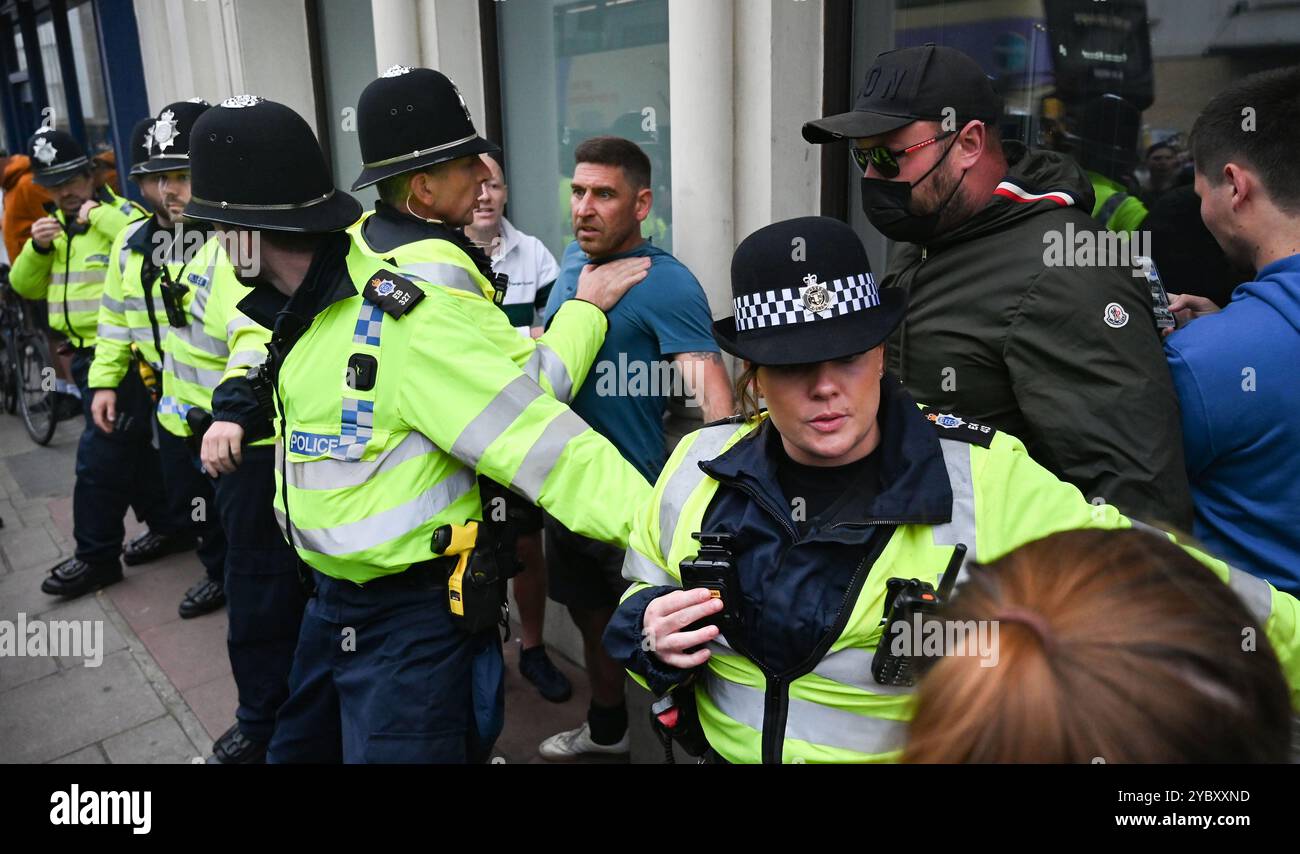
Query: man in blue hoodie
[[1235, 369]]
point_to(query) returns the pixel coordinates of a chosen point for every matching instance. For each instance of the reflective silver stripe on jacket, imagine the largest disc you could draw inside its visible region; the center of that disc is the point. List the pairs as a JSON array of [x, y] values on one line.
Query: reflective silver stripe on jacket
[[494, 420], [1254, 592], [810, 722], [541, 458], [112, 332], [237, 323], [196, 337], [374, 531], [707, 445], [191, 374], [444, 275], [76, 305], [852, 666], [546, 362], [340, 474], [111, 304], [78, 278], [125, 254], [638, 567], [245, 359], [956, 458]]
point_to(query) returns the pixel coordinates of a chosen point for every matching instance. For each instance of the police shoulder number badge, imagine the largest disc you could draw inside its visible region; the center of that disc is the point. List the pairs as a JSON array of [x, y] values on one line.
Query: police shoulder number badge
[[394, 294], [956, 427]]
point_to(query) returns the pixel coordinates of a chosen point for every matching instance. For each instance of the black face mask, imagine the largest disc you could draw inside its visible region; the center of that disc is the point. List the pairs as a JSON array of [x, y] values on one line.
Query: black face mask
[[887, 203]]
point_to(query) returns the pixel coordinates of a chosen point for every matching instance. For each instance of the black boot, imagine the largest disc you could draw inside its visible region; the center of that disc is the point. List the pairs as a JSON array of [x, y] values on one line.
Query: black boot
[[202, 598], [234, 749], [150, 546], [74, 577]]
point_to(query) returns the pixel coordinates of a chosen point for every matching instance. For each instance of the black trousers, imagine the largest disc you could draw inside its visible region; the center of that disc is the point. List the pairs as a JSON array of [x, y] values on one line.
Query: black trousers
[[115, 471], [264, 592]]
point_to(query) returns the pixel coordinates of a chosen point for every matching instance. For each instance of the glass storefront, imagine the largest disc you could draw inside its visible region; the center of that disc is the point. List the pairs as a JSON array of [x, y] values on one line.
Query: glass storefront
[[571, 71], [1050, 59]]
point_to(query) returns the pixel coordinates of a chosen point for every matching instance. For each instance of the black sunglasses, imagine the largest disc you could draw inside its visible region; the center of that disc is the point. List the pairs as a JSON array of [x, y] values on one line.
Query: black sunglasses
[[886, 160]]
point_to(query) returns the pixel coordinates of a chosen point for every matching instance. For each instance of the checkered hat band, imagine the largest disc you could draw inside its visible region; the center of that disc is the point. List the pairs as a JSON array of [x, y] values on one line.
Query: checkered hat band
[[784, 306]]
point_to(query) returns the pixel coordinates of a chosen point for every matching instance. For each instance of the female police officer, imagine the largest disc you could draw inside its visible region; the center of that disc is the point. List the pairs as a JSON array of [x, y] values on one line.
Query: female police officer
[[843, 484]]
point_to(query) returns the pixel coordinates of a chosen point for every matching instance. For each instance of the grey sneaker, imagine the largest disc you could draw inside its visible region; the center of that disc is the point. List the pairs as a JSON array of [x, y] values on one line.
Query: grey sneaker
[[567, 746]]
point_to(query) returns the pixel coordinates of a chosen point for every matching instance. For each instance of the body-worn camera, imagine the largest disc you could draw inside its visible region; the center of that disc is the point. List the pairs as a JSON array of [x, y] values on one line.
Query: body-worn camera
[[909, 601], [714, 569], [173, 297], [260, 380]]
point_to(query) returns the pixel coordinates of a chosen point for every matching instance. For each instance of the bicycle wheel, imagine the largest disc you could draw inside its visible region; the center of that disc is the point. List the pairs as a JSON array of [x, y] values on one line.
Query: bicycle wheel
[[36, 395], [9, 375]]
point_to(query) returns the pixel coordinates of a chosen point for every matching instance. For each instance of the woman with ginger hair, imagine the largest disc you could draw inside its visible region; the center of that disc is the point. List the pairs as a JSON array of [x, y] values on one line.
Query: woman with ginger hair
[[1114, 646]]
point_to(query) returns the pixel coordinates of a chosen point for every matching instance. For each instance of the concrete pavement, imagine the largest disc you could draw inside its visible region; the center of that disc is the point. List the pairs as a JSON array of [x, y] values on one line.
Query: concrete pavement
[[164, 690]]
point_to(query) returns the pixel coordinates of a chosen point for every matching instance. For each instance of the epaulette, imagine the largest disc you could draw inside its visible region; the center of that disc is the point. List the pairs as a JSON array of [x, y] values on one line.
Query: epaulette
[[395, 295], [730, 419], [956, 427]]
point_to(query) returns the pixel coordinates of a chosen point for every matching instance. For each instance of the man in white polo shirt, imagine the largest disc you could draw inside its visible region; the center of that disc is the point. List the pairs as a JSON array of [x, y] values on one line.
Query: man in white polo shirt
[[531, 270], [528, 264]]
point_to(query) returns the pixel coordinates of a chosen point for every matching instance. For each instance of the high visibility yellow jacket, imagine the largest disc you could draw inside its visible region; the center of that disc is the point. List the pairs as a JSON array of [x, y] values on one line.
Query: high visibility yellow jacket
[[558, 361], [802, 690], [217, 343], [393, 398], [70, 275]]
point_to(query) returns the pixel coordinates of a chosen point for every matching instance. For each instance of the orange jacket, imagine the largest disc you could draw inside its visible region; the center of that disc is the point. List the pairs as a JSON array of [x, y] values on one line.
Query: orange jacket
[[24, 203]]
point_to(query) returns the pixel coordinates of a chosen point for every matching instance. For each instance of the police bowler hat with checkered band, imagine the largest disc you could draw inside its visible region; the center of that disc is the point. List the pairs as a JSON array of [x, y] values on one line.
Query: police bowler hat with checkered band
[[803, 292], [409, 119], [256, 164]]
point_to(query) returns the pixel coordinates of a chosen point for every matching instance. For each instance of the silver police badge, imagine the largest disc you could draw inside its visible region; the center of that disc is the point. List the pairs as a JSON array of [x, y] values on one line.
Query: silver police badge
[[396, 71], [44, 151], [814, 295], [164, 130], [385, 288], [240, 101]]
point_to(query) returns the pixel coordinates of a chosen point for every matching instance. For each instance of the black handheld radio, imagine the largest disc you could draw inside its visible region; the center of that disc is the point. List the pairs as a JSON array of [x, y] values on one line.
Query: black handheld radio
[[907, 601]]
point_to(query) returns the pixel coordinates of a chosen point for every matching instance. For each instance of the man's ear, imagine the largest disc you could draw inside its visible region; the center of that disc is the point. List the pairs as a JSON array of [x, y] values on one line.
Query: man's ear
[[421, 187], [972, 141], [645, 198], [1242, 182]]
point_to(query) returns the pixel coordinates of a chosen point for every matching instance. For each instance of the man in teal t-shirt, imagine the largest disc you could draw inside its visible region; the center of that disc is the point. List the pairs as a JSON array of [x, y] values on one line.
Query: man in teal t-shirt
[[659, 343]]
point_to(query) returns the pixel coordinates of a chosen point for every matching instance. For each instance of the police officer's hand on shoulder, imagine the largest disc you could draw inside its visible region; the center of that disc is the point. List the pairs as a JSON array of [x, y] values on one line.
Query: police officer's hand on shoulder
[[604, 285]]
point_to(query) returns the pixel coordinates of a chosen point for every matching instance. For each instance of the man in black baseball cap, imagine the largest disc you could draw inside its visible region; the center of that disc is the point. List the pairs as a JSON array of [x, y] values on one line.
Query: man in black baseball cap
[[992, 331]]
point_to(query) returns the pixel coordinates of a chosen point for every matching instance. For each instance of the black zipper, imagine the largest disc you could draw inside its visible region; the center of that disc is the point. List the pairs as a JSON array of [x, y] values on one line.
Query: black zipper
[[776, 694]]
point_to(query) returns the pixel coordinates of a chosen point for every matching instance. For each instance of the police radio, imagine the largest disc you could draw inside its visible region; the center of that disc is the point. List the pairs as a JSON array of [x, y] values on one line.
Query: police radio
[[908, 602]]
